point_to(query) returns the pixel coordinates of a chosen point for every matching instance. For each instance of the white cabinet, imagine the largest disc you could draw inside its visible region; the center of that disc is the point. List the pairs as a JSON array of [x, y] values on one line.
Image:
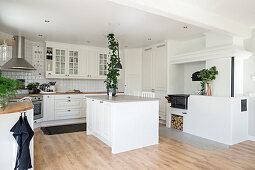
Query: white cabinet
[[147, 70], [102, 64], [48, 107], [160, 67], [99, 118], [154, 69], [59, 62], [57, 107], [68, 106], [73, 63], [91, 64]]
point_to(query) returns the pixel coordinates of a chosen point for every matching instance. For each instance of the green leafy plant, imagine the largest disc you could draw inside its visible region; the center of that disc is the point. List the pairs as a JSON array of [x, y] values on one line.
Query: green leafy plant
[[32, 86], [207, 75], [8, 90], [112, 75]]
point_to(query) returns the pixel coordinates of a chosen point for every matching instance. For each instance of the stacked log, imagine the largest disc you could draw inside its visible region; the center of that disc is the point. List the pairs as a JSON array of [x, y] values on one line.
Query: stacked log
[[177, 122]]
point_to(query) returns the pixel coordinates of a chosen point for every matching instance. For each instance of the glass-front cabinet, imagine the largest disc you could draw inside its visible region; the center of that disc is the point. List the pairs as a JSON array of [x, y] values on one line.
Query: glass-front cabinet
[[64, 61], [103, 59], [73, 63], [60, 62]]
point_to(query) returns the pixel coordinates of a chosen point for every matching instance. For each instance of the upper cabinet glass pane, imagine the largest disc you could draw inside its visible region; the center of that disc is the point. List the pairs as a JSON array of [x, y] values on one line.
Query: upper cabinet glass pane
[[76, 53], [57, 52], [70, 53], [62, 52]]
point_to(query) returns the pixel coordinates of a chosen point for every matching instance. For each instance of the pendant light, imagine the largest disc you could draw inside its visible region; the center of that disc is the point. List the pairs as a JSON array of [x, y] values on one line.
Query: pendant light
[[118, 66]]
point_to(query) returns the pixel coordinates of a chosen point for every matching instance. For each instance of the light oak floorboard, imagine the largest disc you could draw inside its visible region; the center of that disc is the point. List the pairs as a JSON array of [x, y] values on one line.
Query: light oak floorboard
[[77, 151]]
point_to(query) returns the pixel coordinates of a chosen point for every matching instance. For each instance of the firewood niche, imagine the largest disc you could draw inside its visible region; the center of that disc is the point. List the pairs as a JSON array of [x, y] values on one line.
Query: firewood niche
[[177, 122]]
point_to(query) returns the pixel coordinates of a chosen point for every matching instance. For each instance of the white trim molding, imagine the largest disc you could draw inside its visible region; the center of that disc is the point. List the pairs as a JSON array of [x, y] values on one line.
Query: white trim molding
[[210, 53]]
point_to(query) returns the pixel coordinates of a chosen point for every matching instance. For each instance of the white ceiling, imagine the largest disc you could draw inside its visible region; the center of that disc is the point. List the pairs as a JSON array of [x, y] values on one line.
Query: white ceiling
[[241, 11], [80, 21]]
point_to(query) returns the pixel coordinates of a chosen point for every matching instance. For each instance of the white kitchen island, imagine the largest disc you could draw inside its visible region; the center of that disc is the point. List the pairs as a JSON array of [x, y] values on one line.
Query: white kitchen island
[[124, 122]]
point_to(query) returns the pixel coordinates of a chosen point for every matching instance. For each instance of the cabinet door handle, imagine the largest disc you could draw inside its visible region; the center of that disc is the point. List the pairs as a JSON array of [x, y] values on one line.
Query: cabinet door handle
[[92, 100], [101, 102], [68, 110], [68, 97], [69, 100]]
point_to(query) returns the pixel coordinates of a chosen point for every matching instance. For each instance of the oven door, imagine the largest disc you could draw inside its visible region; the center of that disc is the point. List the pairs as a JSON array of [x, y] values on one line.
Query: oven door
[[179, 102], [37, 110]]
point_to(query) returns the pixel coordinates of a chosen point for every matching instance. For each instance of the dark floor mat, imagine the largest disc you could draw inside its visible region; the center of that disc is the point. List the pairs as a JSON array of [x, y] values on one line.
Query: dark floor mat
[[52, 130]]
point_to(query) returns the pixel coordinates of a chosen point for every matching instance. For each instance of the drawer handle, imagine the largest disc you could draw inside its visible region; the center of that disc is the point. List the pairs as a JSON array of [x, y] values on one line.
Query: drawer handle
[[68, 97], [68, 110], [101, 102], [69, 100], [92, 100]]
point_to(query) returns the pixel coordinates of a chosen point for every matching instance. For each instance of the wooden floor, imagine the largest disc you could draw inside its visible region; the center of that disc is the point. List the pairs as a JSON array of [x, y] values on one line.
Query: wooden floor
[[77, 151]]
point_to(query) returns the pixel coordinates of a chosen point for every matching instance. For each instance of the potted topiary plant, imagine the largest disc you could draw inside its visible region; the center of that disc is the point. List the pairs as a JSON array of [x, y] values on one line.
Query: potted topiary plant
[[207, 75], [113, 73], [33, 88], [8, 90]]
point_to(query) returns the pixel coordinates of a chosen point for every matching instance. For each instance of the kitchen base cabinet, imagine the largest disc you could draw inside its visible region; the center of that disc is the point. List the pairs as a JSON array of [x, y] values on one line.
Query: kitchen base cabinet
[[69, 106], [67, 114], [48, 107], [59, 107]]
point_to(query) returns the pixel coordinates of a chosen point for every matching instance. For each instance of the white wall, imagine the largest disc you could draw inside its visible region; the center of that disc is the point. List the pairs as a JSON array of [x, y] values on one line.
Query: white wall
[[222, 85], [133, 69], [190, 87], [249, 84], [178, 75]]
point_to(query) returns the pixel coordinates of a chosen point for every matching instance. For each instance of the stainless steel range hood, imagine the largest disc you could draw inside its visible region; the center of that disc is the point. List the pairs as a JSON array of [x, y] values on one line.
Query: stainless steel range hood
[[18, 62]]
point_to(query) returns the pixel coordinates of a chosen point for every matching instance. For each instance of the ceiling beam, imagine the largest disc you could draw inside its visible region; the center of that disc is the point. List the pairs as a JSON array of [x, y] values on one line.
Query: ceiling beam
[[190, 14]]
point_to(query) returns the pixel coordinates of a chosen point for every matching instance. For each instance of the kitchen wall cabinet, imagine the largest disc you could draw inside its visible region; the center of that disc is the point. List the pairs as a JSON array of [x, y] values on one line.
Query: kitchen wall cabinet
[[154, 69], [102, 64], [59, 62], [73, 61], [91, 64]]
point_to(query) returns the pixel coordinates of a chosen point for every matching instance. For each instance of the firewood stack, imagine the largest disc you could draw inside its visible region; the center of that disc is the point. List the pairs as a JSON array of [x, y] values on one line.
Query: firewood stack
[[177, 122]]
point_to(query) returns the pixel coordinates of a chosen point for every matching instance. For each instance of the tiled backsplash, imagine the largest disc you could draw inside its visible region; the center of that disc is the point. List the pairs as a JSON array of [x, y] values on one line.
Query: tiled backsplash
[[62, 85]]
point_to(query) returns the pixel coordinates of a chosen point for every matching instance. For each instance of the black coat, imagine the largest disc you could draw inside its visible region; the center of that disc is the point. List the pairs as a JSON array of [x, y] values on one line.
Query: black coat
[[23, 133]]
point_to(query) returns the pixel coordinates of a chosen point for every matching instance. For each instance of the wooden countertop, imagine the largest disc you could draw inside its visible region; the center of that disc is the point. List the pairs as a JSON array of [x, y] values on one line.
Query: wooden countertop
[[14, 107]]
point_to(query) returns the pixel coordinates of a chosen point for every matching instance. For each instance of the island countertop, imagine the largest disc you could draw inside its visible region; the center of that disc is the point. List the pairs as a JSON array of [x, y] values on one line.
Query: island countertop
[[122, 98]]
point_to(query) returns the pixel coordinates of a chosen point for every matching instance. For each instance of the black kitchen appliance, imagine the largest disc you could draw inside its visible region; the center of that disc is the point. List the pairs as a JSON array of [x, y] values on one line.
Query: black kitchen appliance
[[179, 101], [195, 76]]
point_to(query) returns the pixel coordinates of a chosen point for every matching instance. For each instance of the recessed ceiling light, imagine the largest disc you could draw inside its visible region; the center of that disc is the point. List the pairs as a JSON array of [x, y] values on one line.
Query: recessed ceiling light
[[185, 27], [47, 21], [149, 39]]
